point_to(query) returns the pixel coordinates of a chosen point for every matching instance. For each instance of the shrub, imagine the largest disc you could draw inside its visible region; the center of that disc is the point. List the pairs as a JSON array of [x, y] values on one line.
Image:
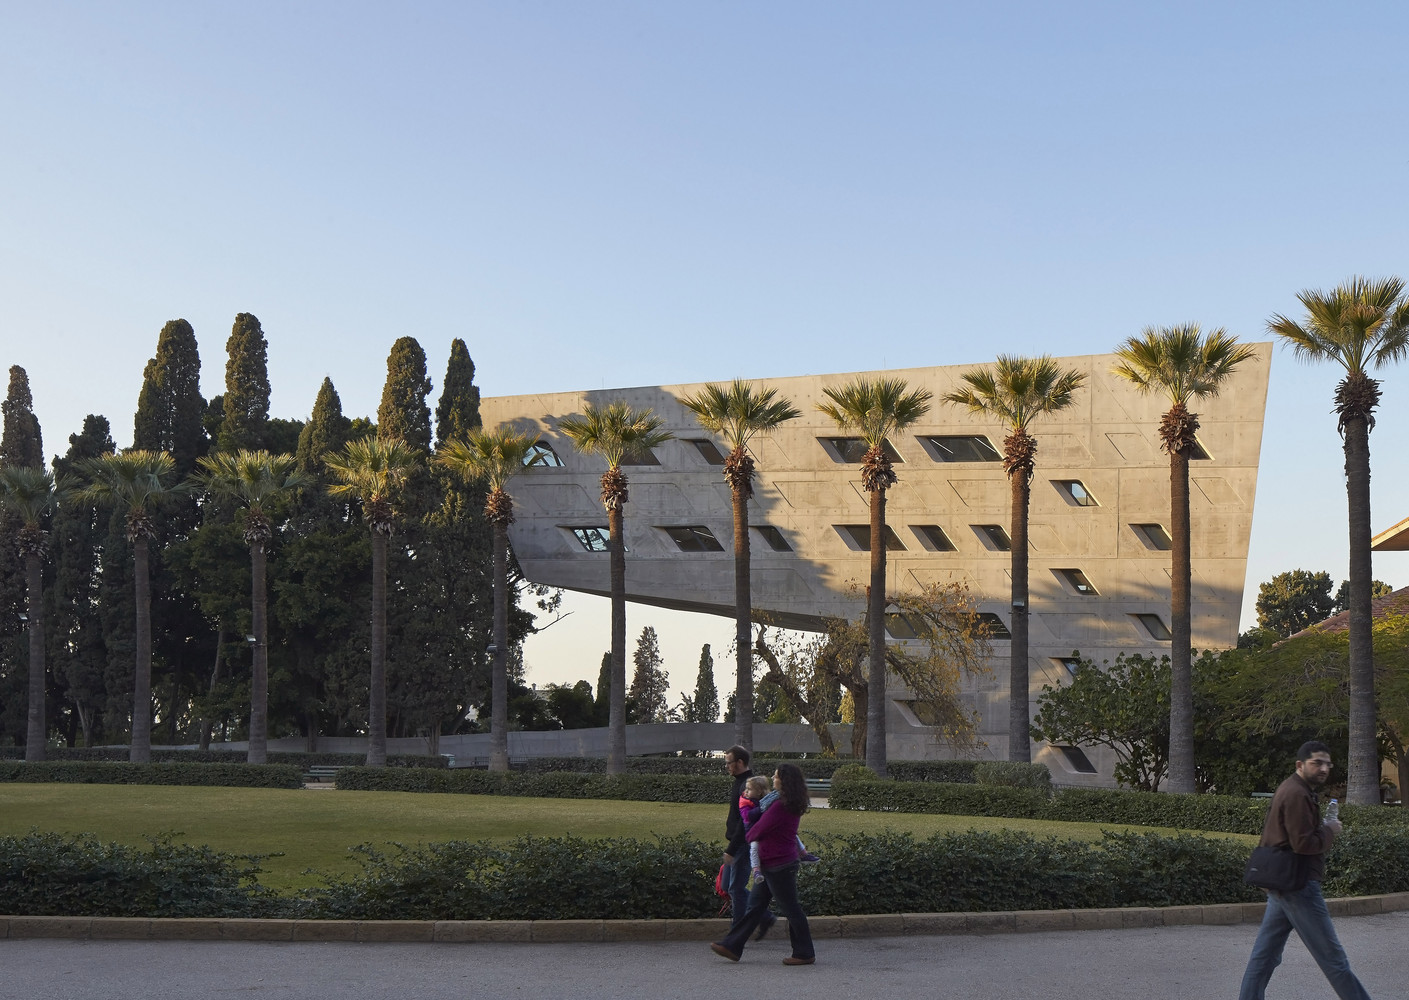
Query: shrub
[[1014, 774], [102, 773], [1187, 812], [936, 797], [1368, 860], [298, 758], [552, 784], [853, 772], [949, 771]]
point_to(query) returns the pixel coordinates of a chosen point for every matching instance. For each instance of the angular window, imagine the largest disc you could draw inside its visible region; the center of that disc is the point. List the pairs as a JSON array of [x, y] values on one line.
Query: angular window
[[1153, 536], [1074, 491], [1198, 453], [1068, 663], [1076, 580], [542, 454], [960, 448], [693, 538], [772, 537], [644, 457], [1155, 626], [900, 626], [994, 537], [1077, 760], [707, 450], [995, 626], [858, 537], [852, 451], [932, 537], [592, 539]]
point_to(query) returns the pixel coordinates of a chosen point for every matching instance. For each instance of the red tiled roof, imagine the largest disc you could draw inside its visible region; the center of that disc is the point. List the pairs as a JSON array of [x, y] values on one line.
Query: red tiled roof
[[1393, 603]]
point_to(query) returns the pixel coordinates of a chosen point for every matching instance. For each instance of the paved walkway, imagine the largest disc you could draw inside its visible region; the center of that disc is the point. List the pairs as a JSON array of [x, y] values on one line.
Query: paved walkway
[[1193, 962]]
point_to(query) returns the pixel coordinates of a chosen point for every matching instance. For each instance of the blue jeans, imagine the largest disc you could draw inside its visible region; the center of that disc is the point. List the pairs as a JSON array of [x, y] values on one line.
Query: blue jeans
[[1305, 912], [779, 883], [739, 886]]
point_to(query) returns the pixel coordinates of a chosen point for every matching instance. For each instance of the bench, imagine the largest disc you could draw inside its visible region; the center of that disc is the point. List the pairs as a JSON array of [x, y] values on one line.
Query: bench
[[323, 772], [819, 788]]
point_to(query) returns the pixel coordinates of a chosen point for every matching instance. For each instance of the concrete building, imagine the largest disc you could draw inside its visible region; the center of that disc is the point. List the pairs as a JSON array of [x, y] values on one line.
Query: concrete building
[[1099, 523]]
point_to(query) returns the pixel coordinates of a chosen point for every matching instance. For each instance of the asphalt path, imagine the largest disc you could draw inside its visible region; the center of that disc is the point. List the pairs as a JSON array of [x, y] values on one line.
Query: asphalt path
[[1157, 963]]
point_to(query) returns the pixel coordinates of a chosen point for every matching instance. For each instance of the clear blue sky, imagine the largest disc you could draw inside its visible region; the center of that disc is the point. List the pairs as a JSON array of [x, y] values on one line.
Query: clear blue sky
[[608, 194]]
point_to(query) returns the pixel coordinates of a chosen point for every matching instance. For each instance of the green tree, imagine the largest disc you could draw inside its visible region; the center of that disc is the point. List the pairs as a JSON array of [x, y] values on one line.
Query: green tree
[[876, 408], [246, 399], [327, 430], [737, 412], [705, 703], [136, 482], [457, 412], [650, 684], [602, 700], [1016, 391], [21, 444], [494, 457], [1182, 364], [262, 484], [372, 471], [572, 706], [29, 494], [615, 432], [1292, 601], [1378, 589], [170, 407], [403, 414], [1359, 325]]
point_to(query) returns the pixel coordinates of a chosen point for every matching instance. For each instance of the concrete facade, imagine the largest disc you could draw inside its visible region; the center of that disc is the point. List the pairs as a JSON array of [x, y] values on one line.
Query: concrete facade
[[1100, 500]]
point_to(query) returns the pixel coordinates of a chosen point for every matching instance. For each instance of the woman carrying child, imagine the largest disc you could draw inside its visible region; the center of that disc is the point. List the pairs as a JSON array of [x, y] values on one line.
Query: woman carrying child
[[775, 833]]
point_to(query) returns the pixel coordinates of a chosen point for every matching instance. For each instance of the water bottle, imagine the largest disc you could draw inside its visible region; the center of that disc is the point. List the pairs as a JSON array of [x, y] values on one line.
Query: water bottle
[[1333, 811]]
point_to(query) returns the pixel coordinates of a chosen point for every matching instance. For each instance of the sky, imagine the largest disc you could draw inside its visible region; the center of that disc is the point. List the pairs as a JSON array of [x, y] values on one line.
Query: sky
[[609, 194]]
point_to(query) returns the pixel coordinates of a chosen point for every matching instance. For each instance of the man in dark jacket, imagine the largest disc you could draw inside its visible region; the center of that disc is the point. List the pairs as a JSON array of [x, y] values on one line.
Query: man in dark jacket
[[736, 855], [1295, 819]]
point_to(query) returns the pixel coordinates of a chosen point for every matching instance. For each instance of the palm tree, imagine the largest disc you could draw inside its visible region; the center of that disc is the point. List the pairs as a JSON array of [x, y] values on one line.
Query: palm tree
[[1016, 391], [616, 432], [876, 408], [258, 481], [137, 481], [496, 457], [29, 494], [1360, 324], [372, 471], [736, 413], [1184, 364]]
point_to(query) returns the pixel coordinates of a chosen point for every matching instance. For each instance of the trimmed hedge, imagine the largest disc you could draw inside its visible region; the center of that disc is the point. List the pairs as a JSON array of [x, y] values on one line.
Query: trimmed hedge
[[812, 767], [298, 758], [104, 773], [1014, 774], [951, 771], [1185, 812], [553, 784], [936, 797]]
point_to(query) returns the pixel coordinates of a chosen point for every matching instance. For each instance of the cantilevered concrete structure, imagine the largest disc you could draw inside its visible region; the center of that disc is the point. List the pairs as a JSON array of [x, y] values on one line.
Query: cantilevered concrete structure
[[1099, 522]]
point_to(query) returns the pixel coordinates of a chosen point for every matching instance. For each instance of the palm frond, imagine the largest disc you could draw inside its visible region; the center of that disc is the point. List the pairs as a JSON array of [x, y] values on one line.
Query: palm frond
[[875, 407], [493, 456], [615, 430], [739, 411], [1182, 362]]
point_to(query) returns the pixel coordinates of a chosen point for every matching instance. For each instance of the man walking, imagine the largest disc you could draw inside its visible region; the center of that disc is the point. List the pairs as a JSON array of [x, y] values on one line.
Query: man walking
[[736, 854], [1295, 820]]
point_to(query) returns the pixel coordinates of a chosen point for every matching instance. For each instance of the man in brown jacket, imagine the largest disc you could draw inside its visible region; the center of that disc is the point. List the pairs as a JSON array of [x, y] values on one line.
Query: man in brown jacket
[[1295, 819]]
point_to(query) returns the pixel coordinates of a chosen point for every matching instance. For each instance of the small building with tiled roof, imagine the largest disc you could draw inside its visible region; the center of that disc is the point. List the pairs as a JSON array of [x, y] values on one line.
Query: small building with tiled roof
[[1395, 603]]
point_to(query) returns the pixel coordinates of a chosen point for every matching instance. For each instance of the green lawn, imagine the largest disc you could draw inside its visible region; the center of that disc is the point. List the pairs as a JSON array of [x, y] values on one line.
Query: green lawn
[[314, 828]]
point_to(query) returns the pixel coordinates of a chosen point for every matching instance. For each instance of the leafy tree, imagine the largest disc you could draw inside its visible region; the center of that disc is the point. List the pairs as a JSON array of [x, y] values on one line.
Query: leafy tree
[[615, 432], [457, 413], [737, 413], [572, 706], [28, 494], [1358, 325], [136, 482], [21, 444], [246, 399], [1378, 589], [403, 414], [327, 430], [1182, 364], [495, 457], [876, 408], [650, 684], [1292, 601], [170, 407], [705, 704], [949, 643], [1016, 391], [261, 483], [372, 471]]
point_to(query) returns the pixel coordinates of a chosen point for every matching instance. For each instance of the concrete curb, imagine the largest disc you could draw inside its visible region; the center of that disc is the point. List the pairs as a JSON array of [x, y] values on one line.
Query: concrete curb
[[561, 931]]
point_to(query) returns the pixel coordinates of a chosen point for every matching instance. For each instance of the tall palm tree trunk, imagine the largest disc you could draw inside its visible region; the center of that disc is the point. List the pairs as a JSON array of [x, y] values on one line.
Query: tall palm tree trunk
[[1181, 684], [876, 607], [35, 734], [259, 682], [499, 683], [616, 717], [376, 696], [1363, 772], [743, 627], [141, 750], [1019, 741]]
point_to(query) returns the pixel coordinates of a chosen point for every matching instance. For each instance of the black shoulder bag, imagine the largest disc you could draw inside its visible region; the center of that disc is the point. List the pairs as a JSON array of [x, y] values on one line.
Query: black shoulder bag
[[1278, 868]]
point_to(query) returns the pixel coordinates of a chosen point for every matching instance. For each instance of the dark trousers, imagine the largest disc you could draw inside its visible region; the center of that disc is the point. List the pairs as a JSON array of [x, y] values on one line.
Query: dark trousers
[[779, 884], [739, 886]]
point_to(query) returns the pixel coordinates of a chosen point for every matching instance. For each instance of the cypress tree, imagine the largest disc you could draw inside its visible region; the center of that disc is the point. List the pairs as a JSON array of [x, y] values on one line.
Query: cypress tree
[[706, 701], [246, 386], [650, 685], [327, 430], [21, 443], [170, 407], [458, 409], [403, 414], [602, 702]]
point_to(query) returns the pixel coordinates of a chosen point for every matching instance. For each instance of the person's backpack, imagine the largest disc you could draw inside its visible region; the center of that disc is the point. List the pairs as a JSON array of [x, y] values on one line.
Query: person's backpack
[[721, 888]]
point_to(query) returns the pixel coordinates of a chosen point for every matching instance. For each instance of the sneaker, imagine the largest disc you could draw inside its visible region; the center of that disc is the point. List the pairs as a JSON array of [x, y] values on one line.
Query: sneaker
[[809, 858], [765, 927], [723, 952], [794, 960]]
